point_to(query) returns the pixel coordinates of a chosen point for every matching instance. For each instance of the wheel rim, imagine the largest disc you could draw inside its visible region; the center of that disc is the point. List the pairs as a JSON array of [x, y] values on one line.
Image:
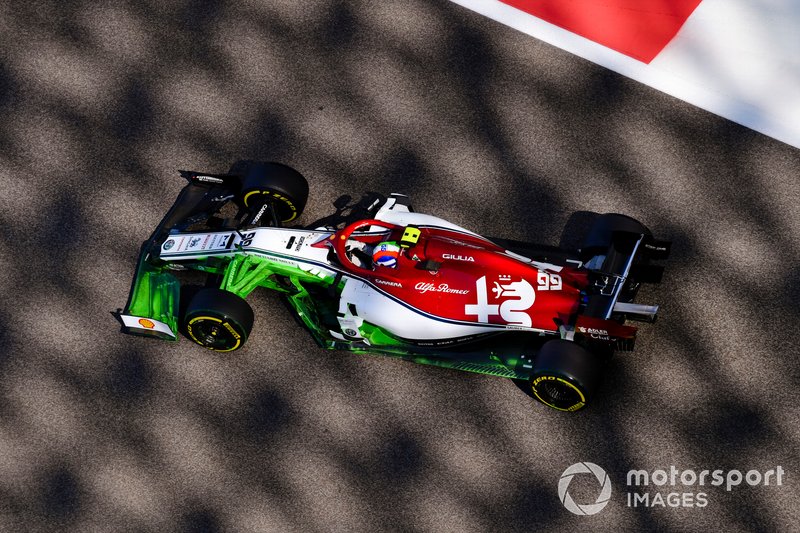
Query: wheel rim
[[288, 211], [558, 393], [214, 333]]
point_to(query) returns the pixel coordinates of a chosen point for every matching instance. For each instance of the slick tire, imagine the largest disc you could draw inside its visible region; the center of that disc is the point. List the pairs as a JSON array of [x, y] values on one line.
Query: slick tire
[[218, 320], [279, 184], [565, 375]]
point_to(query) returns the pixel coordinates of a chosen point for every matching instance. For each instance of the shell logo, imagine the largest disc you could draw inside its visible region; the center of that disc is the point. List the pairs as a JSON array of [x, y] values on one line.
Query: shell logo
[[145, 323]]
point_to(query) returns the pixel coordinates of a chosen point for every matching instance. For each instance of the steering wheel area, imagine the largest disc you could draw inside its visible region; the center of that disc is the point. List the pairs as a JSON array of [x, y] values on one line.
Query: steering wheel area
[[341, 238]]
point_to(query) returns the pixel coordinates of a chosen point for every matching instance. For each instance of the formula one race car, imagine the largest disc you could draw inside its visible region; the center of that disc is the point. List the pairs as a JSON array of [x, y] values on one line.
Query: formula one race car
[[395, 282]]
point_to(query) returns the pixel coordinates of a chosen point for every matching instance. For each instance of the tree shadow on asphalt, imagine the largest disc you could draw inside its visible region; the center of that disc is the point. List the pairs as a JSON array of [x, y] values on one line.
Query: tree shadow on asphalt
[[61, 495]]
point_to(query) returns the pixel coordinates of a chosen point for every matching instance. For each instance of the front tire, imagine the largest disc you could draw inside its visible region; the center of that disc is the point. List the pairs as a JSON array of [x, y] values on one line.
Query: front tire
[[276, 183], [565, 375], [218, 320]]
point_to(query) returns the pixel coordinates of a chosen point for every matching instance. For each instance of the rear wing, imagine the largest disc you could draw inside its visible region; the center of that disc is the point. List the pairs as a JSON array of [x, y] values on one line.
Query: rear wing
[[628, 260]]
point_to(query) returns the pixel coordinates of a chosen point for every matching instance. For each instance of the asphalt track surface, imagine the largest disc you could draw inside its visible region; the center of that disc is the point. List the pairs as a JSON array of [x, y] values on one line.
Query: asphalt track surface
[[479, 124]]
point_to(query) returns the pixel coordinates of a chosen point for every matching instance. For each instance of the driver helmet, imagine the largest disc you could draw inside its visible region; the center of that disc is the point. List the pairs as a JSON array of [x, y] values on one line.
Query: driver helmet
[[385, 254]]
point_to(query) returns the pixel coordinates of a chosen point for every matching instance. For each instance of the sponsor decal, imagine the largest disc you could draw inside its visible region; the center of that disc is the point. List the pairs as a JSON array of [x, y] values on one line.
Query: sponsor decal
[[442, 287], [285, 200], [205, 242], [233, 332], [145, 323], [514, 298], [209, 179], [655, 248], [278, 259], [193, 242], [300, 242], [468, 258], [447, 342], [592, 331], [389, 283], [600, 334], [260, 213], [169, 244]]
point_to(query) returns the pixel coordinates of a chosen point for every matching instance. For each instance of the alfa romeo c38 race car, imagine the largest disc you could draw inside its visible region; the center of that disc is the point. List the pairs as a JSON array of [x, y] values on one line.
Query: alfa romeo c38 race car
[[395, 282]]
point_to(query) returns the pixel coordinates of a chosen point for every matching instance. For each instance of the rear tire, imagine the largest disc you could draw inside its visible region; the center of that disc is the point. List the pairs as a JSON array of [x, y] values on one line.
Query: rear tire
[[218, 320], [565, 375], [282, 185]]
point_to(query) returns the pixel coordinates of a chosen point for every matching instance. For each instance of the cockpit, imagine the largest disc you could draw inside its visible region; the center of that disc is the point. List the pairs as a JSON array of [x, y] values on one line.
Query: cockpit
[[382, 252]]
